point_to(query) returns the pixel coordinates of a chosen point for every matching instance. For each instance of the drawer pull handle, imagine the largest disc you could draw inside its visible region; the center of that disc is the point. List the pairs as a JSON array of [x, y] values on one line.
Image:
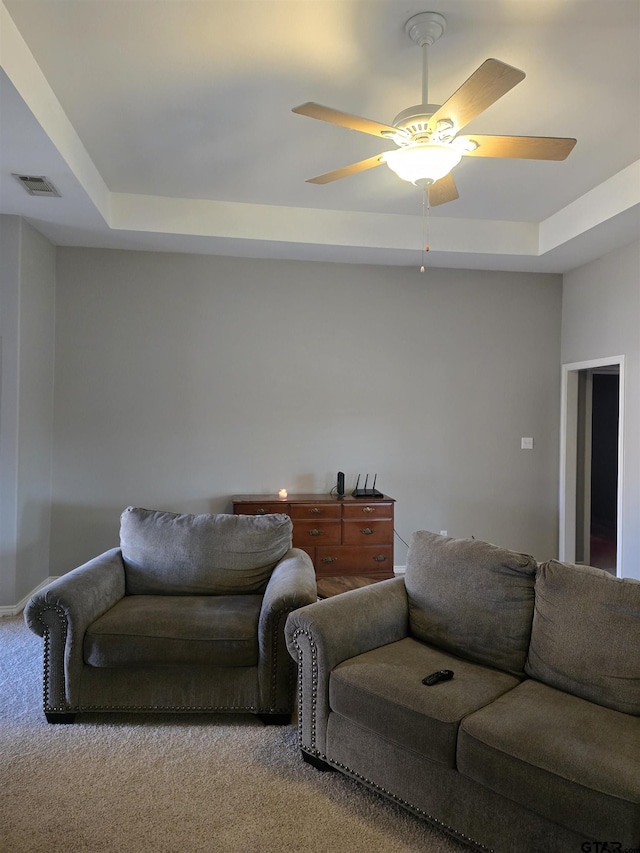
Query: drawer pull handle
[[314, 532], [315, 509], [261, 512], [380, 558], [367, 531], [329, 560], [368, 509]]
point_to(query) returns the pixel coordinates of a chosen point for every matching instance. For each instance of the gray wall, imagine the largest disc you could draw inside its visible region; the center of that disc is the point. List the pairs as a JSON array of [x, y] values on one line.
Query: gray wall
[[601, 319], [182, 380], [27, 309]]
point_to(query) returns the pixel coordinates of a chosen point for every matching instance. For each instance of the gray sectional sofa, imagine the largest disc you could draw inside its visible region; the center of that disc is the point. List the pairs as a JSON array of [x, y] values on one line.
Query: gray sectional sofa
[[533, 745]]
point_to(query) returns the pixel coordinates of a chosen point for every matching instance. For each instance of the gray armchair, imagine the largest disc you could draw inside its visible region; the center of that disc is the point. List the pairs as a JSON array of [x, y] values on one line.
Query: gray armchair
[[187, 615]]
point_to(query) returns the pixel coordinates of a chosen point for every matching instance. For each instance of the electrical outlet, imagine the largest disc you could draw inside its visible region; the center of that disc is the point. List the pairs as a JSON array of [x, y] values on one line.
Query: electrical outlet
[[526, 444], [443, 533]]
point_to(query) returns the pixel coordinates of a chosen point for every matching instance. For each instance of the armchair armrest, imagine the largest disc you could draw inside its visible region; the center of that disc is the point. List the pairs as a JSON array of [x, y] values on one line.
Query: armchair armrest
[[322, 635], [292, 584], [62, 612]]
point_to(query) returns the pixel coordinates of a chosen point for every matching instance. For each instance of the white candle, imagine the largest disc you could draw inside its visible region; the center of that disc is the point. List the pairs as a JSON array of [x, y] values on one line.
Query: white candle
[[282, 493]]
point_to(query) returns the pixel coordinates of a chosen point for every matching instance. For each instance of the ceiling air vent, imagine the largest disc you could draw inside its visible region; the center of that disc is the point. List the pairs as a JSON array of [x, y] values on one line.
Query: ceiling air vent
[[38, 185]]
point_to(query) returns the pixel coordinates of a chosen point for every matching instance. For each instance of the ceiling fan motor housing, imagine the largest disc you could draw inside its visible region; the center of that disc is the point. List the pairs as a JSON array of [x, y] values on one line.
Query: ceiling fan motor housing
[[415, 122]]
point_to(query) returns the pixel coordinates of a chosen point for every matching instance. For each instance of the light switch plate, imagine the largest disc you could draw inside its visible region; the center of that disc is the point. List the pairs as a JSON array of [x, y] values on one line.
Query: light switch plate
[[526, 444]]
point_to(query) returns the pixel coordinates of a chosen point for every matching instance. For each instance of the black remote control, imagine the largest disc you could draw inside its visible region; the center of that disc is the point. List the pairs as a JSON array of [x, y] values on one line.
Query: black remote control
[[436, 677]]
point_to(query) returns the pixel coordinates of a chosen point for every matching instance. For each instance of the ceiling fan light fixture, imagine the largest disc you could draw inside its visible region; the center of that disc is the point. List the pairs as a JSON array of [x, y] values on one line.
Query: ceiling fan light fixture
[[427, 134], [423, 164]]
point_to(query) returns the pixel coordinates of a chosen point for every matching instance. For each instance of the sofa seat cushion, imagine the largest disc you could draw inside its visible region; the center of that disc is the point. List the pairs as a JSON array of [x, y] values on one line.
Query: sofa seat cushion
[[382, 690], [471, 598], [586, 634], [165, 553], [166, 630], [574, 762]]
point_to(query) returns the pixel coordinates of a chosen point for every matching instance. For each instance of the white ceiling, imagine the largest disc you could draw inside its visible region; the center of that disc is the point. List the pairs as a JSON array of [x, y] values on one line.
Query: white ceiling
[[167, 125]]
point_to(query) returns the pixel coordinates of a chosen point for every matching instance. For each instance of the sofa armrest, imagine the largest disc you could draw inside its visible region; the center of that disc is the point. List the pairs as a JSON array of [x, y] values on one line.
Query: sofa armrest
[[61, 613], [292, 584], [322, 635]]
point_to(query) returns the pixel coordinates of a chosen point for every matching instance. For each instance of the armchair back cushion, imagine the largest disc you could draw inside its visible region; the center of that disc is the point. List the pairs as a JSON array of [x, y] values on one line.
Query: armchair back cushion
[[165, 553], [471, 598], [586, 635]]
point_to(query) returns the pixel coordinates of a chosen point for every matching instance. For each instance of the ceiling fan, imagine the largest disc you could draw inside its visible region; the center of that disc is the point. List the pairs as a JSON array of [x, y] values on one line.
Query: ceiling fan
[[427, 135]]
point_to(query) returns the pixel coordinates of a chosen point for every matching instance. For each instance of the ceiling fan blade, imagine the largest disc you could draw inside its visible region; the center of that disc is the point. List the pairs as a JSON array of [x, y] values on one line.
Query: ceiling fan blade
[[353, 169], [524, 147], [487, 84], [443, 191], [364, 125]]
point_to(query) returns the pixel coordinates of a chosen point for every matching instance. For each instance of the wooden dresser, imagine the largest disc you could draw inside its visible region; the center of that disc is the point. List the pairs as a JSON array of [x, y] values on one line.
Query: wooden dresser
[[343, 536]]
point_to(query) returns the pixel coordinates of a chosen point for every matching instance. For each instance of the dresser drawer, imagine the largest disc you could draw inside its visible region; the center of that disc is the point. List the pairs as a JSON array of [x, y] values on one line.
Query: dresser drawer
[[342, 535], [367, 532], [369, 560], [315, 511], [307, 534], [261, 508], [367, 510]]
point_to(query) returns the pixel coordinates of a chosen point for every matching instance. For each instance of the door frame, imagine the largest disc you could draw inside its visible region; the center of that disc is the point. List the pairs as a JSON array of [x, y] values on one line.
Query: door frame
[[568, 456]]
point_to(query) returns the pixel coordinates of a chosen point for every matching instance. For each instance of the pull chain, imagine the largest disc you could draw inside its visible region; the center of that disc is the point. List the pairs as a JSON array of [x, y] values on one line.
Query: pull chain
[[425, 225]]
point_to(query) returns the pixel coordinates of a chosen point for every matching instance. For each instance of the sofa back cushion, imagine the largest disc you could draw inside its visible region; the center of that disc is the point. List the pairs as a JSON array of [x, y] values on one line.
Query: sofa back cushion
[[471, 598], [586, 635], [171, 554]]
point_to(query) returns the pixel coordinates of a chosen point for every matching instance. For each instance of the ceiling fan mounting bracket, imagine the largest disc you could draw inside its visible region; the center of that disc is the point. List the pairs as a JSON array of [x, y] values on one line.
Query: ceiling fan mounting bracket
[[426, 27]]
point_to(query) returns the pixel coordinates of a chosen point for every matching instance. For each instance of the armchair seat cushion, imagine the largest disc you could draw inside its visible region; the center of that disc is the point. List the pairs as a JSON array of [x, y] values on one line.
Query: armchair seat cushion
[[383, 690], [173, 630], [572, 761]]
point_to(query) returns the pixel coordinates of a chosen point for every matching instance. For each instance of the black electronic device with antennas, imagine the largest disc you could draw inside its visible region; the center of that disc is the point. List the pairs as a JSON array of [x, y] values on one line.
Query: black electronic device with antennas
[[364, 492]]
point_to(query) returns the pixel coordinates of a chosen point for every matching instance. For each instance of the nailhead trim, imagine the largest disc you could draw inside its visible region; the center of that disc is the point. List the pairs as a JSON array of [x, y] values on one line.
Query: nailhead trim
[[406, 804], [200, 708], [314, 687], [343, 767], [59, 702]]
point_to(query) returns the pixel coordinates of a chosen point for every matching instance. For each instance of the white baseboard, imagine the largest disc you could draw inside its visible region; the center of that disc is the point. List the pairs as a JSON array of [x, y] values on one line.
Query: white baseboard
[[9, 610]]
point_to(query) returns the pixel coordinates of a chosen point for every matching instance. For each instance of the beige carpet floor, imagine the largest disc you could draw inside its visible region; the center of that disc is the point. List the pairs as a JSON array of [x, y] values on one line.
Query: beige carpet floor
[[126, 783]]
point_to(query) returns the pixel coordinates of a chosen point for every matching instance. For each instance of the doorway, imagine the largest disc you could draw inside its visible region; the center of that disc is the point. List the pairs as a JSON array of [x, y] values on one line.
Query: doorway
[[591, 463]]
